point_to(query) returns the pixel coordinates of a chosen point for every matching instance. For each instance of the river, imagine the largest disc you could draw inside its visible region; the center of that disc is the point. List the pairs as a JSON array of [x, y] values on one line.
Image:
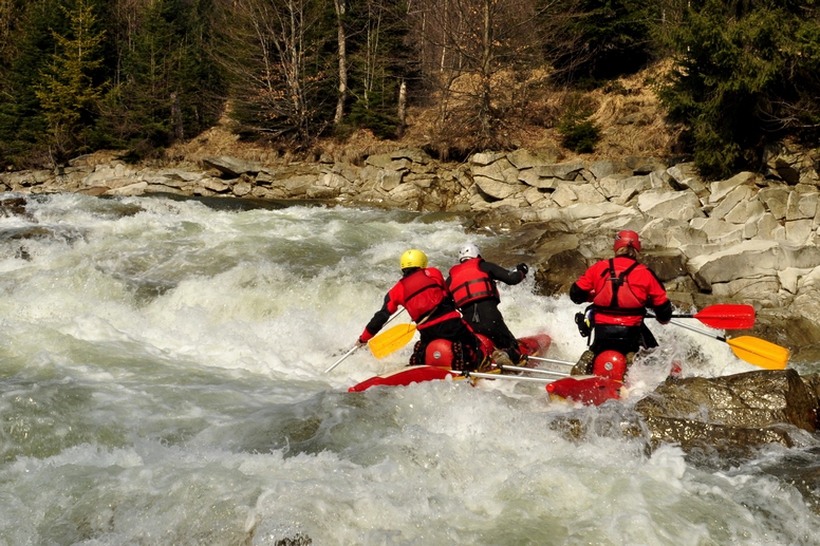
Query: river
[[162, 381]]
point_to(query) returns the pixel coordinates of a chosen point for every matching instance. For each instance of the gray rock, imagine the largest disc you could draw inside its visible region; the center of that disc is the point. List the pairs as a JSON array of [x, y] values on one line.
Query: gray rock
[[719, 190], [232, 167], [680, 205], [608, 167], [564, 171], [388, 162], [526, 159], [733, 414]]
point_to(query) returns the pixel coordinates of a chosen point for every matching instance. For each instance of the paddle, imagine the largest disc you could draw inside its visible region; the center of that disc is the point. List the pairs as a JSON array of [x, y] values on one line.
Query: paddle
[[725, 316], [392, 340], [751, 349]]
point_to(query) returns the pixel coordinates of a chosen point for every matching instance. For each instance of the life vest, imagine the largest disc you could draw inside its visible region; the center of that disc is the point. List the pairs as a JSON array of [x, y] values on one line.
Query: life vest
[[615, 297], [468, 283], [422, 294]]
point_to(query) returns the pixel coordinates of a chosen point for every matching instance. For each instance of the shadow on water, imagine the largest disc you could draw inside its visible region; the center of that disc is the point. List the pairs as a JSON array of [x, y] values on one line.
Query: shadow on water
[[247, 204], [801, 469], [244, 204]]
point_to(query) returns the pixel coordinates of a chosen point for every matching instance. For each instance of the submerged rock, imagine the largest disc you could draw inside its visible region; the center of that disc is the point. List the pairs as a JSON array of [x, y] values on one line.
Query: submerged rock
[[731, 416], [733, 412]]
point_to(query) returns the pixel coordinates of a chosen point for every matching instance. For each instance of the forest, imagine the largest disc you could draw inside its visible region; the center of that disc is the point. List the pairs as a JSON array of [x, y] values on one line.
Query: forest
[[139, 75]]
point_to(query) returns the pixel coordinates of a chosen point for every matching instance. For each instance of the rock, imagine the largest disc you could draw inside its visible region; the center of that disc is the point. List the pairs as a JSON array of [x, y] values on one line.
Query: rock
[[564, 171], [643, 165], [720, 189], [486, 158], [679, 205], [242, 188], [388, 162], [232, 167], [751, 259], [415, 155], [214, 184], [800, 206], [736, 404], [526, 159], [137, 188], [13, 206], [609, 167], [614, 185], [737, 195]]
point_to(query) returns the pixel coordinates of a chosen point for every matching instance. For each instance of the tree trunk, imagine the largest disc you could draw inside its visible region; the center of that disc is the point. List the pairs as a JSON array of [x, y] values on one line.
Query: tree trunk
[[402, 107], [486, 67], [176, 116], [340, 103]]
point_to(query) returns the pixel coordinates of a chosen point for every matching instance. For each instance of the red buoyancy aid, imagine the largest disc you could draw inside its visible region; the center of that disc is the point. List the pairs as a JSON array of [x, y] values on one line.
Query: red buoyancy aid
[[468, 283], [422, 294], [615, 297]]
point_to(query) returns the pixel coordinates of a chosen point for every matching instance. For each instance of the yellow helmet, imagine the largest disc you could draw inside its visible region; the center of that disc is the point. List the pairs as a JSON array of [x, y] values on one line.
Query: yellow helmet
[[413, 258]]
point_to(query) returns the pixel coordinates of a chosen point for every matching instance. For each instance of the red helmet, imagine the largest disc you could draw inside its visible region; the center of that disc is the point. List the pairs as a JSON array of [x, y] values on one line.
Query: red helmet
[[627, 237], [610, 364]]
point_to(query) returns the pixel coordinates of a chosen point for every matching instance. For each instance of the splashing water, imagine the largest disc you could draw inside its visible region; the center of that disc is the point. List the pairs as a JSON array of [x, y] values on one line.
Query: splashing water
[[162, 382]]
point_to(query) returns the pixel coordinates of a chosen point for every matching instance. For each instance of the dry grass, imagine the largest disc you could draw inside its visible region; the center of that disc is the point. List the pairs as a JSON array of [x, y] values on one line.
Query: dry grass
[[628, 113]]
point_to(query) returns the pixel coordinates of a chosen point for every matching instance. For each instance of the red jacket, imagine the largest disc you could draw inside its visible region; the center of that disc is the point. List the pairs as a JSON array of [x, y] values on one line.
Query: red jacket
[[468, 283], [421, 293], [620, 297]]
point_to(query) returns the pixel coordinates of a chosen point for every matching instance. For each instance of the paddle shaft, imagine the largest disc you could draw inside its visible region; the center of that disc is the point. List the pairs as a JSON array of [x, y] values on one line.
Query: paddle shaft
[[551, 360], [347, 354], [688, 327], [511, 377], [533, 370], [698, 330]]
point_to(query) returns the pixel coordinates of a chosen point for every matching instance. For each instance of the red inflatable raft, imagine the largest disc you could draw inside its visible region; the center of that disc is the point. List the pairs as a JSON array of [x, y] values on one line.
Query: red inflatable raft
[[605, 384], [440, 356]]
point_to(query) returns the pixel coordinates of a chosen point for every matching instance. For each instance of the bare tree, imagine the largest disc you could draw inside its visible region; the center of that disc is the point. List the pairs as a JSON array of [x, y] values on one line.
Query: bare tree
[[470, 42], [272, 50]]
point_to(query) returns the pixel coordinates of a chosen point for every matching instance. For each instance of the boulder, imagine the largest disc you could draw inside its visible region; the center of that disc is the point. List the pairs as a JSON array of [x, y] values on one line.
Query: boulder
[[679, 205], [736, 410], [751, 259], [232, 167], [526, 159]]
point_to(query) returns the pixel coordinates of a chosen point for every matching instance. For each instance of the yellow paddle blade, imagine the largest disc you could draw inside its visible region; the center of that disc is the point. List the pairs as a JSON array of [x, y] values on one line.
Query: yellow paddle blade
[[760, 352], [392, 340]]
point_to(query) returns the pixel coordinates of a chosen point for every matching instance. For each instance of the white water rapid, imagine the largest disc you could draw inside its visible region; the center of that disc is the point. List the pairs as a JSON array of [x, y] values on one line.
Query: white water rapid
[[162, 382]]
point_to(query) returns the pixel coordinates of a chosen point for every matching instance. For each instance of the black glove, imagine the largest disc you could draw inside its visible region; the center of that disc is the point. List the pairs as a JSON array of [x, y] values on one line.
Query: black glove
[[523, 269]]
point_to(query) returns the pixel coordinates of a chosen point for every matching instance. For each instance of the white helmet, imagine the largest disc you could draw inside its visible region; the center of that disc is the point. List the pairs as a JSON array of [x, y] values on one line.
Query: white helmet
[[468, 251]]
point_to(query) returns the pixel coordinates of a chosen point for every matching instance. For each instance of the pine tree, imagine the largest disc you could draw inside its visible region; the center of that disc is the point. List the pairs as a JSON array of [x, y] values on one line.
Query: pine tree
[[169, 87], [378, 61], [22, 124], [602, 39], [745, 72], [68, 93]]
